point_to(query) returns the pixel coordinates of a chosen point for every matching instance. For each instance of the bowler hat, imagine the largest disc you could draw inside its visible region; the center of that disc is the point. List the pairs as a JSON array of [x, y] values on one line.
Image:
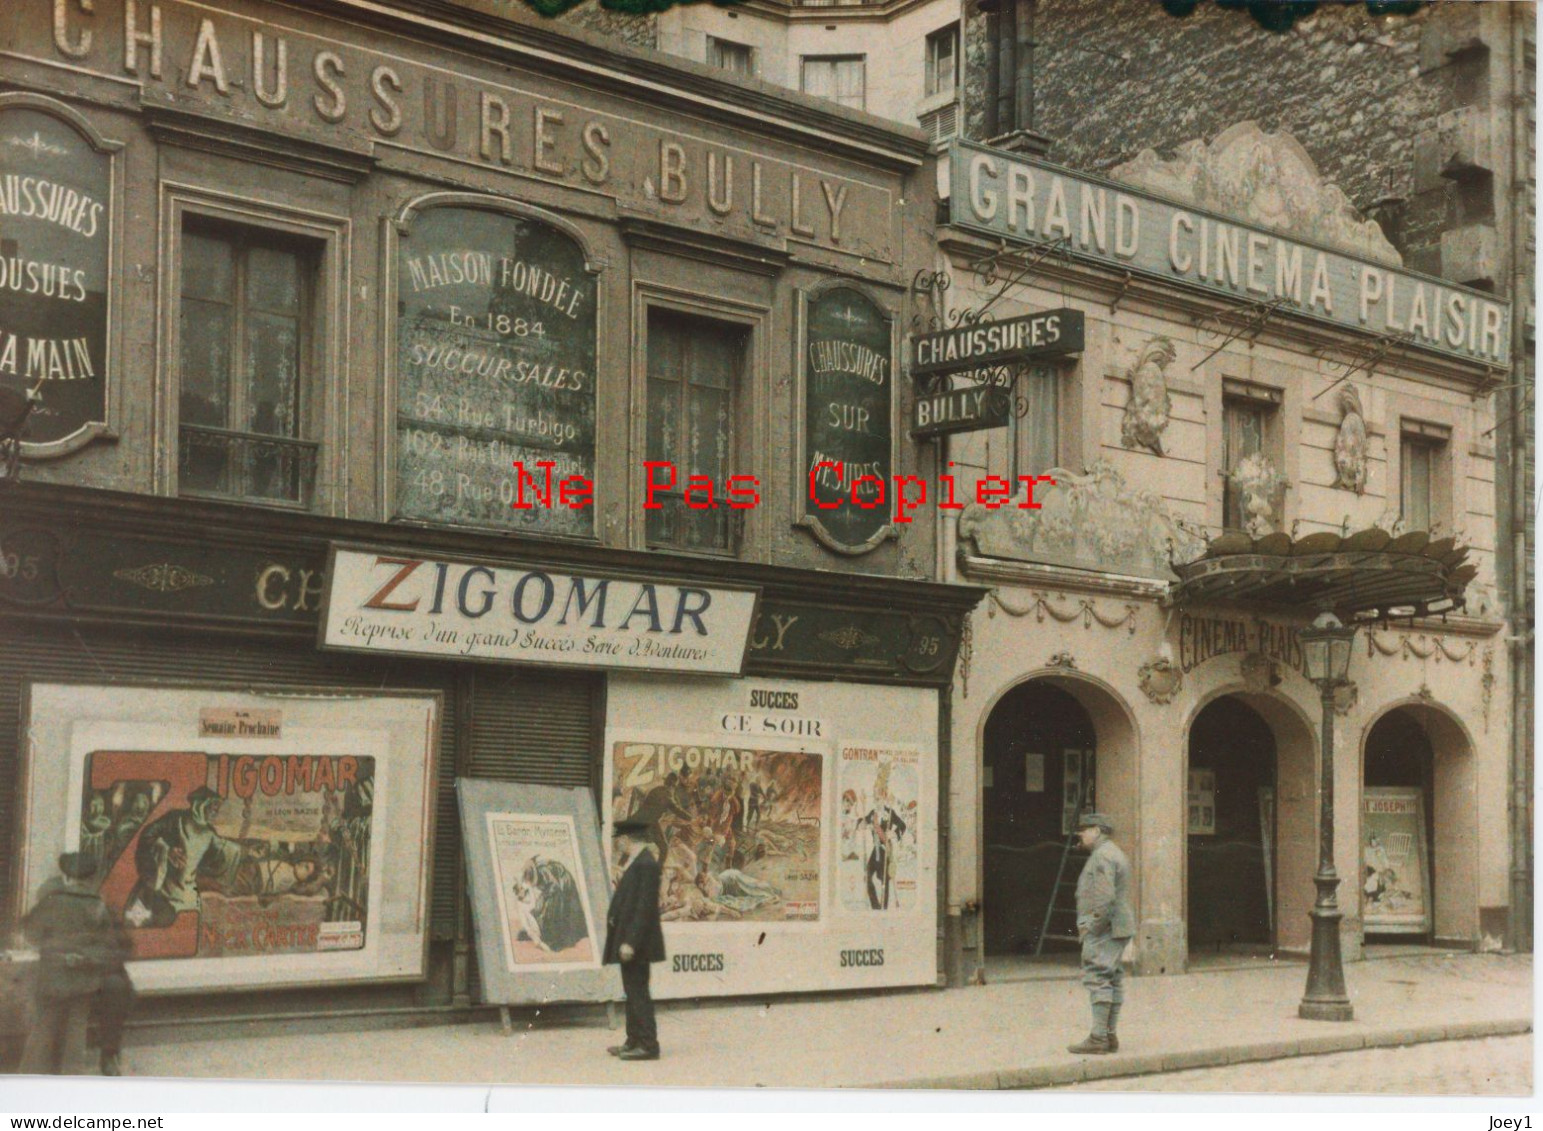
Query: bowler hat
[[627, 826], [76, 865], [1089, 820]]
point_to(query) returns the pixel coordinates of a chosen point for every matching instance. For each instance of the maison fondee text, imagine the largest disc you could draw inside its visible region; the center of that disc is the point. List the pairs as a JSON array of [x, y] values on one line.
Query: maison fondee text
[[269, 73]]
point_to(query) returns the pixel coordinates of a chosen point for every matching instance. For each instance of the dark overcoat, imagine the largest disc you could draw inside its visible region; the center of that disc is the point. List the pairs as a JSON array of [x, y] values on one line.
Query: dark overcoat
[[77, 939], [634, 915]]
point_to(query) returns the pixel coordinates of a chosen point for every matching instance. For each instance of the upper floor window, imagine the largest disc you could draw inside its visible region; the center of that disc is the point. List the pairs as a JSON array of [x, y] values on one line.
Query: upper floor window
[[1422, 460], [1253, 495], [942, 71], [841, 78], [695, 371], [245, 332], [1036, 422], [730, 56]]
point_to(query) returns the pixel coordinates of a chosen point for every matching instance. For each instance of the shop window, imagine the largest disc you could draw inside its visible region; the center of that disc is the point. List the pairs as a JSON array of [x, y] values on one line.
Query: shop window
[[695, 371], [942, 65], [1254, 489], [1036, 422], [840, 78], [730, 56], [245, 334], [1422, 462]]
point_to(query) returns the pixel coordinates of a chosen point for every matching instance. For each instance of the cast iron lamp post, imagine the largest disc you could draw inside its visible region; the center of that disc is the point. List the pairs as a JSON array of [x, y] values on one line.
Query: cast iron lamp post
[[1326, 656]]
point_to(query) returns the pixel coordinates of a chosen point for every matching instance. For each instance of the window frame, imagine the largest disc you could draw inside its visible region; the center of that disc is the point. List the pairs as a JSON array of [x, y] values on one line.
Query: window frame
[[931, 88], [322, 391], [860, 58], [751, 418], [1268, 403], [1058, 376], [1436, 441], [716, 42]]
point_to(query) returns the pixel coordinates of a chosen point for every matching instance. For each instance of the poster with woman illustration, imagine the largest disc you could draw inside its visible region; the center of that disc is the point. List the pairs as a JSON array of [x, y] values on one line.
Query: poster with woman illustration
[[876, 853], [543, 903], [1395, 883]]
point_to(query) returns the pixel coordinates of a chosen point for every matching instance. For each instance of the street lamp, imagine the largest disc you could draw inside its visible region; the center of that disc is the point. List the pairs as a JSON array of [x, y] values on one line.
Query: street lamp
[[1326, 657]]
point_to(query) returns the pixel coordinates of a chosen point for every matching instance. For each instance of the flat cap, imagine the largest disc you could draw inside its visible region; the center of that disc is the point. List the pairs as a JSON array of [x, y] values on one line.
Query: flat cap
[[1088, 820]]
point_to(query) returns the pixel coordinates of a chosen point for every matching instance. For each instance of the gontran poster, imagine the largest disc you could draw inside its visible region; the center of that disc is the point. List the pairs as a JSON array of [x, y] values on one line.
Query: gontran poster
[[876, 864], [1395, 884], [737, 829], [543, 905]]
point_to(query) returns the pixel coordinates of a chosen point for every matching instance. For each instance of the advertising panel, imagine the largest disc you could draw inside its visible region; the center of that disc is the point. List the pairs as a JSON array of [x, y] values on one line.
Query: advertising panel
[[1395, 882], [796, 825], [245, 839], [543, 907]]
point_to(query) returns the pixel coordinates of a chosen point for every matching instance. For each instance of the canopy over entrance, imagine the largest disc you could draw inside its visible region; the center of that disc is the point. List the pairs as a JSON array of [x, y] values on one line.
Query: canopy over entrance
[[1370, 574]]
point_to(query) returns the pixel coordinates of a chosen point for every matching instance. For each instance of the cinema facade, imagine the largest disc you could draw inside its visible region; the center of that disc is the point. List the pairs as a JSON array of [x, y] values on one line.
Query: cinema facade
[[1270, 418], [303, 288]]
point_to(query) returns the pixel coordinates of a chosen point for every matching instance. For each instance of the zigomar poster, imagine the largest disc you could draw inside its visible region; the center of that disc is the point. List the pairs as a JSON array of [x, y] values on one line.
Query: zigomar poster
[[224, 856], [737, 829]]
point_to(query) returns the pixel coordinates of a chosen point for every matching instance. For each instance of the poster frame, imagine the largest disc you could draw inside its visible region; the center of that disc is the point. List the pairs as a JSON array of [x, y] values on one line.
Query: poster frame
[[478, 799], [45, 777], [1381, 925]]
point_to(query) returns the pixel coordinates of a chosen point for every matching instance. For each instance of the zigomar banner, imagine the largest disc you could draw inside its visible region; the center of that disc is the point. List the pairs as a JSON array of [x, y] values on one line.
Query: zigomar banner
[[1050, 333]]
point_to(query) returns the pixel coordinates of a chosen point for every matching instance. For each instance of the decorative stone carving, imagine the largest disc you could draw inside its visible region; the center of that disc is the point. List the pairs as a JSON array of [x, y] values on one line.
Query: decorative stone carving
[[1259, 672], [1263, 179], [1346, 695], [1147, 411], [1160, 679], [1259, 483], [1092, 521], [1062, 660], [1350, 444]]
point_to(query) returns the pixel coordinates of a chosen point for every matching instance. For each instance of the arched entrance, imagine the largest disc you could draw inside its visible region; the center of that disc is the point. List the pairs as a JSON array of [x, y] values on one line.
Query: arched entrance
[[1231, 809], [1415, 869], [1049, 743]]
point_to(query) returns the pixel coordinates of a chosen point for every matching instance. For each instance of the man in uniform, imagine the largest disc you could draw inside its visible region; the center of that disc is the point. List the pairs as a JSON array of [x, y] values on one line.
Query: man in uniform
[[82, 951], [1105, 923], [633, 936]]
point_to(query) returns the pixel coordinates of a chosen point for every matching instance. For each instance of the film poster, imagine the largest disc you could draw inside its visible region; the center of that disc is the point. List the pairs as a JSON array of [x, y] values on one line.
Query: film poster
[[231, 856], [1201, 801], [876, 856], [1394, 884], [542, 901], [737, 830]]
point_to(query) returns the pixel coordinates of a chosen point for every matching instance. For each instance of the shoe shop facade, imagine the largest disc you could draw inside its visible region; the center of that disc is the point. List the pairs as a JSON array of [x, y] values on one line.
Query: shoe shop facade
[[427, 398], [1260, 422]]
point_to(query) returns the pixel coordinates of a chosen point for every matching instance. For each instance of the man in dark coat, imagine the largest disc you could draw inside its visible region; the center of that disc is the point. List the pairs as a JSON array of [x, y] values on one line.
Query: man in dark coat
[[1105, 923], [82, 951], [634, 938]]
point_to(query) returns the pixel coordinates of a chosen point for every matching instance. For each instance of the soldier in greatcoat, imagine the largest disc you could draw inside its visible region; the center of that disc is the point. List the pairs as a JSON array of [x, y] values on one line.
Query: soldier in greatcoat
[[634, 938], [81, 954], [1105, 923]]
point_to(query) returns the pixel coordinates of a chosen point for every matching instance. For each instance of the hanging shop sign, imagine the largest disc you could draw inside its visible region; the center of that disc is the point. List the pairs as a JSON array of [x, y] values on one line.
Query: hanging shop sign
[[847, 457], [1028, 201], [56, 212], [1050, 333], [495, 369], [968, 409], [1395, 878], [244, 839], [788, 864], [383, 602]]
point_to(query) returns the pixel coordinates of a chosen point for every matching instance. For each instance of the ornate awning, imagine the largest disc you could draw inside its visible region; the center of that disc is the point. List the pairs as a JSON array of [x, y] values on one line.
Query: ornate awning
[[1369, 574]]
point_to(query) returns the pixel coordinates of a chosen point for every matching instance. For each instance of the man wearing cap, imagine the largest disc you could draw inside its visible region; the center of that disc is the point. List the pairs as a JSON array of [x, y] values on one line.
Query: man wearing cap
[[633, 936], [81, 954], [1105, 924]]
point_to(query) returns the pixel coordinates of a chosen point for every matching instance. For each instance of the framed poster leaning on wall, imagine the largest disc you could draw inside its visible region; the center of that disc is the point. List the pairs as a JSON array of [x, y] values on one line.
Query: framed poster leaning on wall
[[247, 839]]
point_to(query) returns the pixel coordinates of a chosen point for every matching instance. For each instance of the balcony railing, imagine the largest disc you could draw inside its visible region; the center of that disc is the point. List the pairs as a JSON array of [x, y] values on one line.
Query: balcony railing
[[224, 464]]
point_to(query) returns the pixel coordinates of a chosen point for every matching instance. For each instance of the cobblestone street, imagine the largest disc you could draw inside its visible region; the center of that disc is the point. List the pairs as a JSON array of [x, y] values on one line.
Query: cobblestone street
[[1495, 1066]]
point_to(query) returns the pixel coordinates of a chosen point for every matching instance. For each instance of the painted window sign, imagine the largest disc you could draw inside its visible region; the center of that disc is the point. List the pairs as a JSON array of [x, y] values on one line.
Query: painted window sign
[[1031, 201], [230, 856], [55, 216], [848, 425], [496, 337]]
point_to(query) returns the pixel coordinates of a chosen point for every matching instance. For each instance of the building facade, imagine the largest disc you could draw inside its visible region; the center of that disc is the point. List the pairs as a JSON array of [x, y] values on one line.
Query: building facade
[[433, 397]]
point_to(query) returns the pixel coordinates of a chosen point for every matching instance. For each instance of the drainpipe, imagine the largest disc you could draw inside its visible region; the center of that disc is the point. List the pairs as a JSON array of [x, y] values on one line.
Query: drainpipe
[[1519, 922]]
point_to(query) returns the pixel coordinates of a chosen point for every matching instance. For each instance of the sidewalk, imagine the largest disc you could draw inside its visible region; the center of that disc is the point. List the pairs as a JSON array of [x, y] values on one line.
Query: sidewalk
[[995, 1036]]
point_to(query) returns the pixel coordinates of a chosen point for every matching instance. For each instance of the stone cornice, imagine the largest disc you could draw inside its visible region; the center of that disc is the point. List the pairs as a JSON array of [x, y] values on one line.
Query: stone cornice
[[1061, 579]]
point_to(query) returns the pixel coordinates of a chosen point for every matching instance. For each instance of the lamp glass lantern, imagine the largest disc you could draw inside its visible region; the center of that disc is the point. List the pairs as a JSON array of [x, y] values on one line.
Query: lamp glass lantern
[[1326, 650]]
